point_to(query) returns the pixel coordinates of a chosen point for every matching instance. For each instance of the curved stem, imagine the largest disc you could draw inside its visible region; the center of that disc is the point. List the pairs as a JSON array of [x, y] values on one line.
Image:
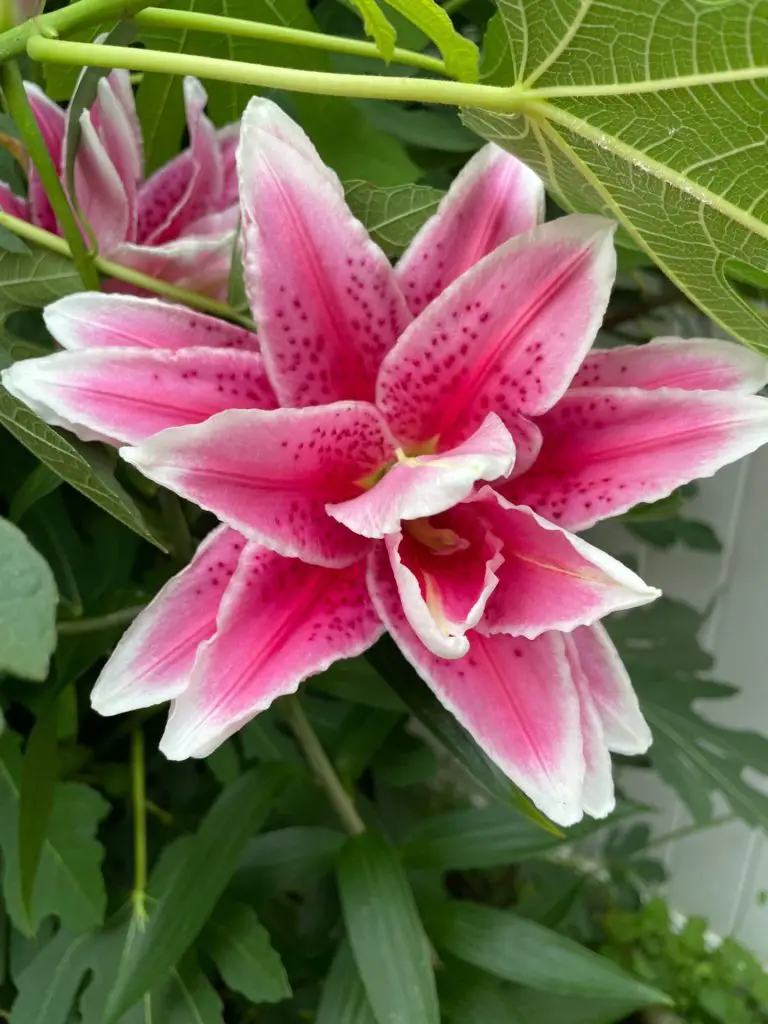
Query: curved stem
[[372, 87], [120, 618], [139, 796], [322, 767], [190, 20], [29, 130], [67, 19], [111, 269]]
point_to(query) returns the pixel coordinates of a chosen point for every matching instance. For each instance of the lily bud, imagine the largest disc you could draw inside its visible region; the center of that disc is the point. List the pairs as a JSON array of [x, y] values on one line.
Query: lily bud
[[14, 12]]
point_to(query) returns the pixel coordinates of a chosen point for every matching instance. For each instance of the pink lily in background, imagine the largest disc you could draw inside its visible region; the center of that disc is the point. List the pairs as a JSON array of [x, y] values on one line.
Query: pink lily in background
[[177, 225], [14, 12], [400, 449]]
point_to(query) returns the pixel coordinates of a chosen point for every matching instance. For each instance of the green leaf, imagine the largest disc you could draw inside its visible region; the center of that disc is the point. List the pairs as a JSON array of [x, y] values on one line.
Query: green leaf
[[652, 114], [343, 1000], [33, 279], [518, 950], [41, 482], [460, 54], [27, 606], [288, 858], [209, 865], [385, 933], [39, 771], [240, 947], [392, 215], [377, 27], [69, 883], [83, 466], [12, 242], [490, 837], [48, 985]]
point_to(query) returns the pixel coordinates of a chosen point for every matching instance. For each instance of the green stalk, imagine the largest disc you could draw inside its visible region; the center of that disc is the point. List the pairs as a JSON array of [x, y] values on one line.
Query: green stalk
[[192, 21], [111, 269], [139, 798], [412, 90], [67, 19], [20, 110]]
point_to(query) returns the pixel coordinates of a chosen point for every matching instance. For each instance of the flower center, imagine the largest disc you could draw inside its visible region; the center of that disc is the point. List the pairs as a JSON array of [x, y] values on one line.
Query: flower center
[[438, 539], [405, 456]]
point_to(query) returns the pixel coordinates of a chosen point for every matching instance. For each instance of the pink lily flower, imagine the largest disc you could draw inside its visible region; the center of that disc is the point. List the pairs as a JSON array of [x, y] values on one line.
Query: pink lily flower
[[414, 464], [14, 12], [178, 224]]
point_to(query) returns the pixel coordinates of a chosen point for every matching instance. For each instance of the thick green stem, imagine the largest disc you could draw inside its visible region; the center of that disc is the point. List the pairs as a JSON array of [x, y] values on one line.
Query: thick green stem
[[371, 87], [20, 110], [68, 19], [321, 765], [111, 269], [139, 796], [190, 20]]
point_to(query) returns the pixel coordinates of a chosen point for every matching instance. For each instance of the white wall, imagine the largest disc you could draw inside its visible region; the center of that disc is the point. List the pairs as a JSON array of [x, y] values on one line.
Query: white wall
[[721, 872]]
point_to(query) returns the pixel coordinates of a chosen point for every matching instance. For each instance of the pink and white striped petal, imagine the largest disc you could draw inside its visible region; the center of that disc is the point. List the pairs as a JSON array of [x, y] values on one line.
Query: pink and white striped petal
[[125, 395], [506, 337], [120, 84], [153, 661], [323, 294], [271, 474], [187, 187], [598, 796], [228, 139], [117, 134], [515, 697], [420, 486], [493, 199], [693, 364], [94, 320], [51, 120], [606, 449], [610, 688], [197, 264], [10, 203], [102, 197], [550, 579], [281, 621], [444, 588]]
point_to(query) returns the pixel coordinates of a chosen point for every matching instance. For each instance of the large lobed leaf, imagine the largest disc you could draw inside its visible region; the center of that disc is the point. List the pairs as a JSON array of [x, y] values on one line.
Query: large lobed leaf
[[654, 114], [27, 606]]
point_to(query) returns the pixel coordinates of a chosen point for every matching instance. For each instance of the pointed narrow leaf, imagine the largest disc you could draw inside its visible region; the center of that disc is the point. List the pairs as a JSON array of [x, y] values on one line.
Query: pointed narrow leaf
[[460, 54], [344, 1000], [185, 907], [239, 945], [522, 951], [385, 933], [41, 482], [39, 770], [377, 27], [49, 983], [27, 606]]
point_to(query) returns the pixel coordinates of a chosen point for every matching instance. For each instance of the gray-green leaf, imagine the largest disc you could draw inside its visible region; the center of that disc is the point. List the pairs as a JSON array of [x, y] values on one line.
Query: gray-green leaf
[[27, 606]]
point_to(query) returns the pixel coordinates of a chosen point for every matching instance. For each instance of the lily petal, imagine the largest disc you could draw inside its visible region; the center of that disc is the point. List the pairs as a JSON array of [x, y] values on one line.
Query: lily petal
[[120, 84], [125, 395], [550, 578], [281, 620], [101, 194], [271, 474], [693, 364], [598, 797], [51, 121], [323, 294], [11, 203], [515, 697], [197, 264], [116, 132], [506, 337], [153, 661], [606, 449], [229, 139], [188, 186], [94, 320], [444, 592], [494, 198], [610, 688], [427, 484]]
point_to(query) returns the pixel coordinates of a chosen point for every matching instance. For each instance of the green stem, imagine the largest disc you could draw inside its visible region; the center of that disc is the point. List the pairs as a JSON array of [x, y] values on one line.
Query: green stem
[[412, 90], [110, 269], [95, 625], [192, 21], [20, 110], [324, 771], [67, 19], [139, 794]]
